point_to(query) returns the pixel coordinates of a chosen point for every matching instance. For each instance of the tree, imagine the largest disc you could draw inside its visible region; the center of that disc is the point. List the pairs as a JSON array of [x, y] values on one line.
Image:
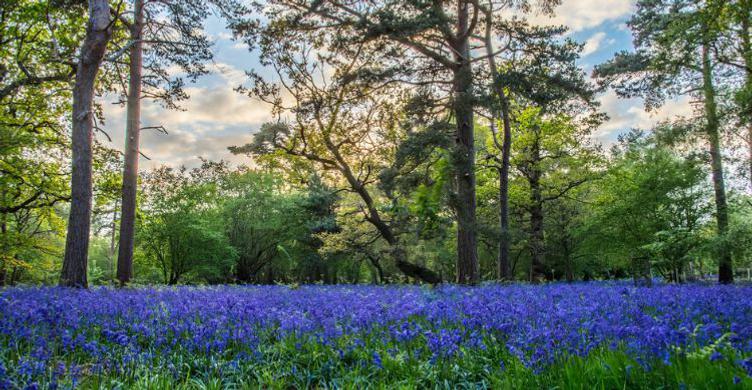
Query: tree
[[261, 222], [674, 43], [566, 255], [425, 43], [338, 124], [98, 33], [553, 158], [132, 134], [734, 50], [318, 205], [169, 33], [38, 47], [184, 231], [648, 209], [535, 66], [39, 43]]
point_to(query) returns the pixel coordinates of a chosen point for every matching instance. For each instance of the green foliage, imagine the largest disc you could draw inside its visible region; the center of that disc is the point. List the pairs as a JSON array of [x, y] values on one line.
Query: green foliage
[[651, 203], [278, 231], [183, 232], [739, 237], [216, 225], [39, 38], [666, 62], [556, 149], [429, 199]]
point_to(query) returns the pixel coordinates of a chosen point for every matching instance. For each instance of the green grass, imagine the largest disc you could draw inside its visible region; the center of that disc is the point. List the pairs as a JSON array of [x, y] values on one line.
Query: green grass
[[311, 365]]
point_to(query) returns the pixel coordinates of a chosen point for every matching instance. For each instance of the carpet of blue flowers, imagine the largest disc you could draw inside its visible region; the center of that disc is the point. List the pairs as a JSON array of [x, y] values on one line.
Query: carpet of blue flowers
[[343, 336]]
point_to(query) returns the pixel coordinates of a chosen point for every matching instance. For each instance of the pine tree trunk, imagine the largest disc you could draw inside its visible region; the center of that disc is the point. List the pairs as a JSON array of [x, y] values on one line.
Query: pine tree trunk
[[464, 155], [501, 111], [536, 214], [725, 266], [504, 243], [91, 56], [503, 271], [130, 169]]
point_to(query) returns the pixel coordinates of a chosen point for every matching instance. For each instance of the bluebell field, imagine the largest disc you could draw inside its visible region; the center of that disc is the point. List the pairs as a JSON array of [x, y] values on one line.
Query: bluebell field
[[355, 336]]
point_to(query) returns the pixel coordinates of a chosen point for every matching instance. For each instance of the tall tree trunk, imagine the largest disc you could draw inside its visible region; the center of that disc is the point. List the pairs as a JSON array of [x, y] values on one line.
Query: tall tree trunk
[[464, 153], [503, 266], [92, 53], [536, 214], [500, 110], [725, 266], [130, 169], [506, 239]]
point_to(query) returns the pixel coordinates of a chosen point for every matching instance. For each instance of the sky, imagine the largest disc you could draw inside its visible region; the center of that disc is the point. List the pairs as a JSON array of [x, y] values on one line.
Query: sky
[[216, 116]]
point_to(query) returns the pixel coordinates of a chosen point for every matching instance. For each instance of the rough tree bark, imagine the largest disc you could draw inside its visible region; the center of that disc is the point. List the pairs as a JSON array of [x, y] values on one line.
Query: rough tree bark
[[504, 270], [464, 153], [725, 266], [98, 34], [132, 134]]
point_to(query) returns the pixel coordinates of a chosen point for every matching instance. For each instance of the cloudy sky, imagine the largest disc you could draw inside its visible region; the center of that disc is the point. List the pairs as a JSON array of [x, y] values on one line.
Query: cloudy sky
[[217, 117]]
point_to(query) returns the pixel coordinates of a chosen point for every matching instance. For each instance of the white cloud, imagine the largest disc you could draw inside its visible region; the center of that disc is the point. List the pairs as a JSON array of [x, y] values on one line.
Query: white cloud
[[581, 14], [593, 43], [223, 35], [230, 73], [209, 109], [214, 118], [184, 148], [626, 114]]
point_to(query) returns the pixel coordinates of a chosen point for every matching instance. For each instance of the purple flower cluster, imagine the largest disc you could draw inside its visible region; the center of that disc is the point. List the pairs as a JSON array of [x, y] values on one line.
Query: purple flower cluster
[[116, 330]]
